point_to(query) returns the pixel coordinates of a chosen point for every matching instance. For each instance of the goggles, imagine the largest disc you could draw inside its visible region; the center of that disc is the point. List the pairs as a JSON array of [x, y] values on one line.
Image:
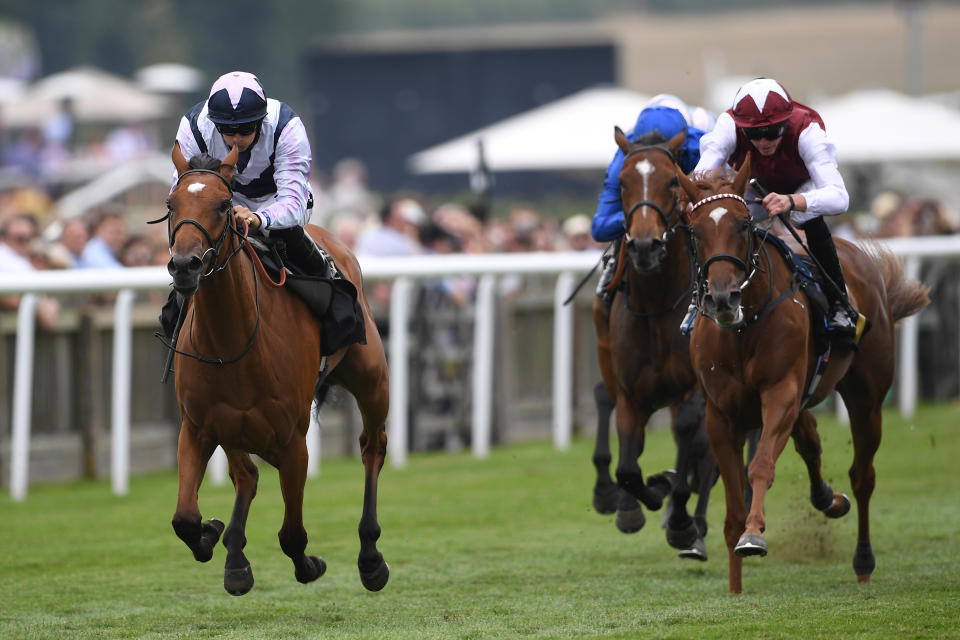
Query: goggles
[[244, 129], [770, 132]]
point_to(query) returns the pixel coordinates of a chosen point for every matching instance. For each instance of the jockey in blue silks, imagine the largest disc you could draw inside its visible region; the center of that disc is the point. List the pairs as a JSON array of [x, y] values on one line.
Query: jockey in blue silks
[[607, 223]]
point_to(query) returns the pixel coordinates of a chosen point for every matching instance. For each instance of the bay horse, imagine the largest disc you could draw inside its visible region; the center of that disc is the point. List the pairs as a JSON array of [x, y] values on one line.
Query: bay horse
[[248, 365], [644, 359], [755, 357]]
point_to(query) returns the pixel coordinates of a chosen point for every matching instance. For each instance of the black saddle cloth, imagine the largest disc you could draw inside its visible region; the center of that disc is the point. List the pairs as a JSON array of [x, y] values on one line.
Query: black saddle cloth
[[331, 297]]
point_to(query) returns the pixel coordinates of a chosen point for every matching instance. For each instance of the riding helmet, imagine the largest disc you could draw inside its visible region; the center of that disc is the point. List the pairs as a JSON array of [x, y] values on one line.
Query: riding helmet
[[760, 103], [236, 98]]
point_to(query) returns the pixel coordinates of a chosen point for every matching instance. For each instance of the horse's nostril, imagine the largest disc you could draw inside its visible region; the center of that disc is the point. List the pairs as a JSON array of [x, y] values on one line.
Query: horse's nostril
[[709, 302], [735, 297]]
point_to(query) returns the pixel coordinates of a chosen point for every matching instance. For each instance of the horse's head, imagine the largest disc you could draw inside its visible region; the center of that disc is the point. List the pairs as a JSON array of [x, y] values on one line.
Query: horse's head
[[648, 192], [199, 214], [723, 239]]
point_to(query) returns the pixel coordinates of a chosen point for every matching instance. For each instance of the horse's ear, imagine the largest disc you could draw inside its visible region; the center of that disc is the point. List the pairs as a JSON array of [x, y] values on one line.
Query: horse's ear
[[740, 182], [179, 162], [676, 141], [621, 139], [229, 163], [686, 184]]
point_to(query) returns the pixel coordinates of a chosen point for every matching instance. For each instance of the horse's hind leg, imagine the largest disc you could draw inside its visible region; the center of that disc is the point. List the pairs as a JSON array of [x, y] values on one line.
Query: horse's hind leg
[[807, 442], [192, 456], [866, 427], [604, 489], [292, 535], [237, 574]]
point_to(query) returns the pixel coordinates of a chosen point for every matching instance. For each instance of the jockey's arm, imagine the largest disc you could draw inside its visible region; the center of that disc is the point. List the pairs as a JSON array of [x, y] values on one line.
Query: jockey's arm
[[292, 176]]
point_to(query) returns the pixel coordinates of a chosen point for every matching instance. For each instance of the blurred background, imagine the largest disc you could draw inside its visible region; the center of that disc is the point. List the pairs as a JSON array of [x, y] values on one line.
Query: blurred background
[[469, 126]]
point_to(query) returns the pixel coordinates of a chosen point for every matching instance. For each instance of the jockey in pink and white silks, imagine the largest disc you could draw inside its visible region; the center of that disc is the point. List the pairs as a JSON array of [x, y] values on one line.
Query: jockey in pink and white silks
[[794, 161], [271, 189]]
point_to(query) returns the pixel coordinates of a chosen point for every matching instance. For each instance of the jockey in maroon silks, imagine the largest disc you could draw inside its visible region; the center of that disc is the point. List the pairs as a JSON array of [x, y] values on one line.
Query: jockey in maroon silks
[[795, 162]]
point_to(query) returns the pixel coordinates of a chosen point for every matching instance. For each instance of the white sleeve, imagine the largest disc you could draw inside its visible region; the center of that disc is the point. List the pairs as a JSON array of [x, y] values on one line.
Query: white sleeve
[[291, 172], [825, 192], [187, 143], [718, 145]]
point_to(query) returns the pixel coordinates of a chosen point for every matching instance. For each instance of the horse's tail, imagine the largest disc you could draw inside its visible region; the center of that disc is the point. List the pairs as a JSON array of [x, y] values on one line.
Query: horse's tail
[[905, 297]]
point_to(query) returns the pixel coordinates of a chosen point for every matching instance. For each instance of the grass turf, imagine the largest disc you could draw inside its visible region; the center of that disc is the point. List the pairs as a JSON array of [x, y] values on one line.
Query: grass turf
[[503, 547]]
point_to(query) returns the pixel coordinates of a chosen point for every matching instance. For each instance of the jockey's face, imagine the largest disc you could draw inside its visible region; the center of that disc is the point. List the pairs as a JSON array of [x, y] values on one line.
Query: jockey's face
[[242, 142], [766, 147], [241, 135]]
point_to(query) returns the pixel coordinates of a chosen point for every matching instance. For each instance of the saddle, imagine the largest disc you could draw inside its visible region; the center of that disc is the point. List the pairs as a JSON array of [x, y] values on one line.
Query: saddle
[[331, 297]]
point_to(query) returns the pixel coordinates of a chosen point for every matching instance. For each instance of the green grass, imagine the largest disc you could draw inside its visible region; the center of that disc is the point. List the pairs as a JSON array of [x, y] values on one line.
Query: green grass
[[503, 547]]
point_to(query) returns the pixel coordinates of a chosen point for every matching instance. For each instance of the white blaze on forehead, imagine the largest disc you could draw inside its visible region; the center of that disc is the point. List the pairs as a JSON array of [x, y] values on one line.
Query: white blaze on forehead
[[716, 214], [645, 169], [196, 187]]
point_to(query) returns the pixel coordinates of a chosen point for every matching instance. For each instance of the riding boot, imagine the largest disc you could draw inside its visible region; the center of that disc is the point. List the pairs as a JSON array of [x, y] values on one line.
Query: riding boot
[[686, 325], [607, 275], [302, 252], [841, 318]]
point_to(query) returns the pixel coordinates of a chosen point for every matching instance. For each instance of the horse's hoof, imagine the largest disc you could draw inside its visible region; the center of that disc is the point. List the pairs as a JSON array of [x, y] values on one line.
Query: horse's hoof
[[863, 579], [839, 507], [376, 579], [696, 551], [662, 483], [314, 567], [683, 538], [631, 521], [238, 581], [751, 544], [605, 498]]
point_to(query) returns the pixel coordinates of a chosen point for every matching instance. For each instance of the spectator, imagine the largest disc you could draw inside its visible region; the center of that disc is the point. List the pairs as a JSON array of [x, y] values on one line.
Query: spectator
[[576, 233], [74, 235], [347, 228], [398, 233], [136, 252], [17, 235], [109, 236]]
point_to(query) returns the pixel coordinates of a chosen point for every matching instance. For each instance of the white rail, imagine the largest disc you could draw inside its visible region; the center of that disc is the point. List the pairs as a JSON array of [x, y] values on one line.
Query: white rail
[[402, 271]]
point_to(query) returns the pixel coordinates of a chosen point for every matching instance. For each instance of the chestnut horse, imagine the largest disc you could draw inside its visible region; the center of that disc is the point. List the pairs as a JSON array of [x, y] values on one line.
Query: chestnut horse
[[644, 359], [755, 357], [248, 365]]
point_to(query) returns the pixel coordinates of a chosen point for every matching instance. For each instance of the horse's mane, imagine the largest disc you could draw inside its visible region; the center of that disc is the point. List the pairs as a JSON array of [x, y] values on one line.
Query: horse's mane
[[651, 138], [715, 180], [204, 161]]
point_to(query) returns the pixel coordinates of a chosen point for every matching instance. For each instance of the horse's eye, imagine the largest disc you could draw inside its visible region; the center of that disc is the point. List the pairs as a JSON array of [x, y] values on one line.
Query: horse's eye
[[169, 205], [675, 182], [225, 206]]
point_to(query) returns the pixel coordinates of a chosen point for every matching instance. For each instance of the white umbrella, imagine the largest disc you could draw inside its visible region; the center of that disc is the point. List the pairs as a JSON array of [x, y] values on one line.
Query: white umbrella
[[572, 133], [95, 95], [879, 125]]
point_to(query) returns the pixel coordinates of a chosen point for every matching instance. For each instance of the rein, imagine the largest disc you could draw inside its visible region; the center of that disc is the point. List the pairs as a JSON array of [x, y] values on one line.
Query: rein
[[215, 248]]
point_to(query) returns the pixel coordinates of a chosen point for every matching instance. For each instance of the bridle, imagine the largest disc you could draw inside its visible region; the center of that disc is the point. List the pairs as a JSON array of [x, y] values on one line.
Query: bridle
[[671, 220], [750, 266], [214, 247]]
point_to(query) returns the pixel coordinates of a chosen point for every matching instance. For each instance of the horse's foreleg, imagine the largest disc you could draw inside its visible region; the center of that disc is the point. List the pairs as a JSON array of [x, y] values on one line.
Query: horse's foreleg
[[604, 489], [292, 535], [237, 574], [192, 456], [631, 425], [779, 409], [807, 442], [866, 427], [682, 531], [728, 447]]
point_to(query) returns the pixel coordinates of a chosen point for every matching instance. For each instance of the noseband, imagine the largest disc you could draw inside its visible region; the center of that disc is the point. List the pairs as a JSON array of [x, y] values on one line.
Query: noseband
[[664, 216], [214, 246], [749, 270]]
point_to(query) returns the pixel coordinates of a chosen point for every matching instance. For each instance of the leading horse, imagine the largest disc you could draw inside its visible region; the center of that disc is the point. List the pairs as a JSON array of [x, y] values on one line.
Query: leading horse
[[248, 365], [758, 362], [644, 359]]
